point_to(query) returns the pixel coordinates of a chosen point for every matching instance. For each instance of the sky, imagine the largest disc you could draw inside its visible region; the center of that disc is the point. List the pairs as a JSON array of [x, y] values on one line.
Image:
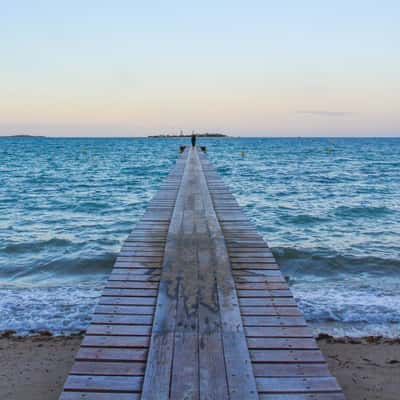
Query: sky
[[244, 68]]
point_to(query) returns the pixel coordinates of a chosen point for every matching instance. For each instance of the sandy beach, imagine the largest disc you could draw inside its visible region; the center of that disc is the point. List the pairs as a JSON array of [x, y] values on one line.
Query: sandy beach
[[35, 368]]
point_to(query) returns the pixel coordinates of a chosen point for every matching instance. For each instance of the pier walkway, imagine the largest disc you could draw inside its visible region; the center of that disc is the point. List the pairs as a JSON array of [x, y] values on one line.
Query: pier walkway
[[197, 308]]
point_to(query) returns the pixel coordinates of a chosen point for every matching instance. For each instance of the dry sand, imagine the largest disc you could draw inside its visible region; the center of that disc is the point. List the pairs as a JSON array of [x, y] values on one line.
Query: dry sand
[[35, 368], [365, 371]]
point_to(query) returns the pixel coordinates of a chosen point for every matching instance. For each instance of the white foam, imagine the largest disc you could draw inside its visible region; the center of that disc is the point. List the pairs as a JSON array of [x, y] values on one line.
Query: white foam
[[59, 309]]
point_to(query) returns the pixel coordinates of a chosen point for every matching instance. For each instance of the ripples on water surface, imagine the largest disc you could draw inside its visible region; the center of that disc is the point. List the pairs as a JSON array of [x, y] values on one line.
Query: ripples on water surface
[[329, 208]]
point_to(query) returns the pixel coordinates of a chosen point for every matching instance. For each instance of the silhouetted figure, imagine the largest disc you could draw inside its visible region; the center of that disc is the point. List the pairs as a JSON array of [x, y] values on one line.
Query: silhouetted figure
[[193, 140]]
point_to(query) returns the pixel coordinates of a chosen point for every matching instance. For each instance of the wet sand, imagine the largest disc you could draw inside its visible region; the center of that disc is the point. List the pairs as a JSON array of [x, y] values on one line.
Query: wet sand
[[34, 368]]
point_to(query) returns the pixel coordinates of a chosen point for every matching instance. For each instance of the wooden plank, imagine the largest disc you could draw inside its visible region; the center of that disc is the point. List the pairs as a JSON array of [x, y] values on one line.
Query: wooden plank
[[213, 382], [270, 311], [145, 272], [108, 368], [130, 284], [135, 258], [122, 310], [261, 285], [241, 381], [249, 260], [271, 265], [268, 343], [278, 331], [127, 301], [266, 369], [185, 381], [185, 372], [257, 272], [250, 278], [116, 319], [264, 293], [287, 356], [273, 321], [267, 301], [127, 276], [158, 368], [248, 255], [303, 396], [298, 385], [99, 396], [109, 384], [156, 383], [119, 330], [116, 341], [134, 264], [128, 292]]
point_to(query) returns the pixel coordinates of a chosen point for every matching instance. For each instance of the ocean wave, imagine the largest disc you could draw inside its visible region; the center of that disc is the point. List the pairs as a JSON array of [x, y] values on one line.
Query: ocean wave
[[343, 294], [66, 267], [361, 211], [326, 262], [350, 306], [61, 309], [303, 219], [92, 206], [18, 248]]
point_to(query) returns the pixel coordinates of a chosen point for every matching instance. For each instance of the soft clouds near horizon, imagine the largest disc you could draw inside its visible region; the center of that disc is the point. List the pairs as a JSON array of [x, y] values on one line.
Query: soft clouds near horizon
[[326, 113], [129, 68]]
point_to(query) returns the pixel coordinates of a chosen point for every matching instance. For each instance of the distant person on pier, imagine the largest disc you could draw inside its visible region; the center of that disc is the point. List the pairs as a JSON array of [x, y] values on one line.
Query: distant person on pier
[[193, 140]]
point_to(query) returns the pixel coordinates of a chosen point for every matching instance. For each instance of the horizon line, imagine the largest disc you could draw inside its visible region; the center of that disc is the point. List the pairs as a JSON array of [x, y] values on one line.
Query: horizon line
[[210, 137]]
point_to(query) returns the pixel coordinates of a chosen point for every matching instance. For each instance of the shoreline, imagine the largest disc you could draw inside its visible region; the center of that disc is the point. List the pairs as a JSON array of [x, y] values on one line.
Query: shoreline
[[365, 339], [36, 366]]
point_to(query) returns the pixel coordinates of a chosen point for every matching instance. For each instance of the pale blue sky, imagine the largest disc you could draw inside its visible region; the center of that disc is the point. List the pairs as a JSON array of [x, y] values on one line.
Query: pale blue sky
[[245, 68]]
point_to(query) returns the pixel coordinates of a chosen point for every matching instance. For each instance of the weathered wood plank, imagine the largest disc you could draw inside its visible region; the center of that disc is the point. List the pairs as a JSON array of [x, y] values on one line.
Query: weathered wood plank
[[298, 385], [125, 310], [303, 396], [157, 378], [287, 356], [241, 381], [278, 331], [99, 396], [273, 321], [109, 384], [128, 292], [108, 368], [268, 343], [127, 301], [116, 341], [116, 319], [270, 311], [119, 330], [266, 369], [213, 382]]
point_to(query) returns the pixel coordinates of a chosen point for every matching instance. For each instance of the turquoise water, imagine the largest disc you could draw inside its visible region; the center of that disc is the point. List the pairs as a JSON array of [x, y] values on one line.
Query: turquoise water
[[329, 208]]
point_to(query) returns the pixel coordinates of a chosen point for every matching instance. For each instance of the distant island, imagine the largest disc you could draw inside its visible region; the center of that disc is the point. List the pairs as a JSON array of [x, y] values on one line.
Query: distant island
[[22, 136], [208, 135]]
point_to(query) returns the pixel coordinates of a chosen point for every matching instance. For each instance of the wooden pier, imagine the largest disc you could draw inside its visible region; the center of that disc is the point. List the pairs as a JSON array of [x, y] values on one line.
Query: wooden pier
[[197, 308]]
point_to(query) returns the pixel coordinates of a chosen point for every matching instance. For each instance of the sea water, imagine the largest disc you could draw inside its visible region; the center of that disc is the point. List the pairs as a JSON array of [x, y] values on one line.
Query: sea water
[[328, 208]]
